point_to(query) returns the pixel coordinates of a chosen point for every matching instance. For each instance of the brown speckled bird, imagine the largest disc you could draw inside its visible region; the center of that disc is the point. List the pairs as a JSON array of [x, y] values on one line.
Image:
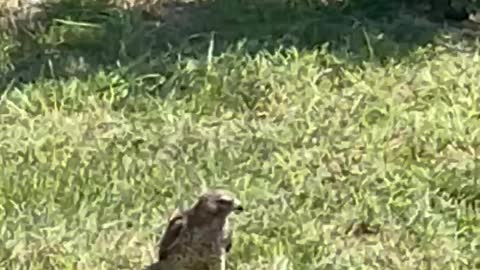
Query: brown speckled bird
[[200, 237]]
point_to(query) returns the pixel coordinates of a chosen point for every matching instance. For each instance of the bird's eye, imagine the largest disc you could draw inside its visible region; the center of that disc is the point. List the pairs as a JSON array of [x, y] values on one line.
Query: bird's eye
[[224, 201]]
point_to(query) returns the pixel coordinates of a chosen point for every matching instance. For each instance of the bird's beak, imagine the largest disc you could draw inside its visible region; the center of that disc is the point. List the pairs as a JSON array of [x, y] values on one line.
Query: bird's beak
[[237, 206]]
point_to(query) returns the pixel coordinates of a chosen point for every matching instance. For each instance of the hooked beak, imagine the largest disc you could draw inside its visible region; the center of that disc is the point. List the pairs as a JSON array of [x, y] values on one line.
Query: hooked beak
[[237, 206]]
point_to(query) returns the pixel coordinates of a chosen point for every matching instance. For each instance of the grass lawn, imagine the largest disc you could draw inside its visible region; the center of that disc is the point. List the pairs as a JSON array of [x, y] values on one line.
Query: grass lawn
[[351, 135]]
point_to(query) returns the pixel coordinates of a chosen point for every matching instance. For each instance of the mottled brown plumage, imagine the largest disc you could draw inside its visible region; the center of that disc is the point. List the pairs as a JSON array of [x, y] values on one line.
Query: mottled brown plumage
[[200, 237]]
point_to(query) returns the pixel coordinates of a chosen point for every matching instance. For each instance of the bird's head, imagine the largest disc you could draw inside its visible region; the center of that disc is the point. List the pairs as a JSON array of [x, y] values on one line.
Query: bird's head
[[219, 202]]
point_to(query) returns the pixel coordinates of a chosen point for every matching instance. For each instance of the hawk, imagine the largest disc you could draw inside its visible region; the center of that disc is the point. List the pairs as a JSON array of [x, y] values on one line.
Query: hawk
[[200, 237]]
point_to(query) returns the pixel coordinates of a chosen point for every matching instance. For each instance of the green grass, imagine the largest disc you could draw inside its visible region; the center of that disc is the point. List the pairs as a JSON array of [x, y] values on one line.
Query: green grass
[[318, 119]]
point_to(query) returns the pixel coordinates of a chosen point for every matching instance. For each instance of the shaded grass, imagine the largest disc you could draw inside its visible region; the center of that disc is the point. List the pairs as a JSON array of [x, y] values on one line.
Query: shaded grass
[[346, 159], [83, 37]]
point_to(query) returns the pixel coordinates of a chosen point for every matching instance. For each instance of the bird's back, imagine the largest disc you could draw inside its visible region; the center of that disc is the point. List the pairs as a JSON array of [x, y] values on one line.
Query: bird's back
[[190, 246]]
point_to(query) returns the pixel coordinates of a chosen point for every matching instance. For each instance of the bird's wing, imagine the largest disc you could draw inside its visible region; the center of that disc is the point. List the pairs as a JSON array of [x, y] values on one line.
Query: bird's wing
[[176, 225]]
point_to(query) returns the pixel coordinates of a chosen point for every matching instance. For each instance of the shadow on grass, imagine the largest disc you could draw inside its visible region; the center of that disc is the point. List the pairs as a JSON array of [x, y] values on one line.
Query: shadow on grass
[[81, 37]]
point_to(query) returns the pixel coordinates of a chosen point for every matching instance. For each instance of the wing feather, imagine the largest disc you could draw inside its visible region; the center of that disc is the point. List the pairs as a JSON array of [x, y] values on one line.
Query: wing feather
[[176, 225]]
